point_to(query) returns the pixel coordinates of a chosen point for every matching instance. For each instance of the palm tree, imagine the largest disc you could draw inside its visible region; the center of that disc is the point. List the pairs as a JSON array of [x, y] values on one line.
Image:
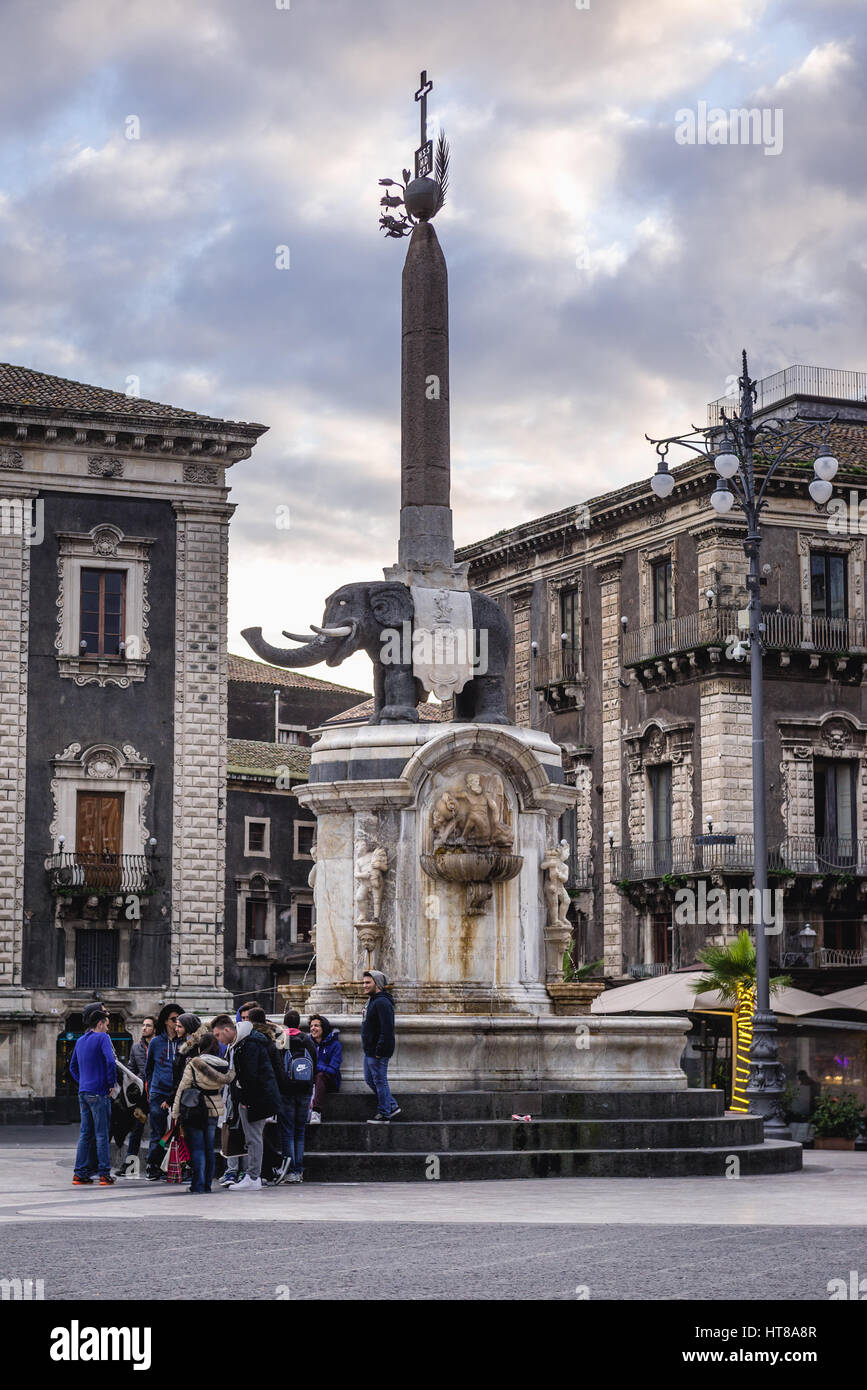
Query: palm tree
[[732, 974]]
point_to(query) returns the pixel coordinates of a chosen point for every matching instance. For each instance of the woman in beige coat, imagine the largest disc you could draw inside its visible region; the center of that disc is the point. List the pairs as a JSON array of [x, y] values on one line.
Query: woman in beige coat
[[209, 1073]]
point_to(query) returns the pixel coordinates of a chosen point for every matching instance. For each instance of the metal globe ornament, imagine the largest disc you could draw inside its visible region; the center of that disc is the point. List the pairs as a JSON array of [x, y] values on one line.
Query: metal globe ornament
[[422, 198]]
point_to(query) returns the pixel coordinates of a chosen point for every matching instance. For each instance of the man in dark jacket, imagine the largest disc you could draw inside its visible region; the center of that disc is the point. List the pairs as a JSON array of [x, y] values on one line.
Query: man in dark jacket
[[377, 1042], [137, 1064], [93, 1068], [159, 1077], [297, 1094], [255, 1093]]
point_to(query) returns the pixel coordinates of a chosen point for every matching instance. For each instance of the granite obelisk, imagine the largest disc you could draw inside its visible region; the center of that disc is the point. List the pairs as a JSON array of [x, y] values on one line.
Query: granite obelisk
[[426, 542]]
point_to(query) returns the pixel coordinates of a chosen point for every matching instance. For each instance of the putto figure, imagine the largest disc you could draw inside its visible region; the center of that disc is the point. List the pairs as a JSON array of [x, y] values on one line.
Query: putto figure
[[468, 813], [371, 867], [555, 867]]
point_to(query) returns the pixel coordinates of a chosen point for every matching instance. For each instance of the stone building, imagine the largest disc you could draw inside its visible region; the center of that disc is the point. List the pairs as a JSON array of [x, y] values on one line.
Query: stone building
[[113, 688], [626, 614], [269, 936]]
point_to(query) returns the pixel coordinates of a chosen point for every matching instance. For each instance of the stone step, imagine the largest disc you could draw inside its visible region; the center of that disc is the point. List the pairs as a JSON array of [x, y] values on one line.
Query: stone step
[[500, 1105], [776, 1156], [465, 1136]]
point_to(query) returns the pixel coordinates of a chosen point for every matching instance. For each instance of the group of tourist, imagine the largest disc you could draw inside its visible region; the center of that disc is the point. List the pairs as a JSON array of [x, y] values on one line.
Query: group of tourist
[[241, 1087]]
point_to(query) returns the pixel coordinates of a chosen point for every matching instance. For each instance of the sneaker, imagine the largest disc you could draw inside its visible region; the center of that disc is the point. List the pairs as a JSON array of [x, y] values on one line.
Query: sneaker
[[81, 1182], [295, 1177], [106, 1180], [315, 1118], [229, 1178], [155, 1175], [395, 1111], [283, 1171], [379, 1119], [247, 1184]]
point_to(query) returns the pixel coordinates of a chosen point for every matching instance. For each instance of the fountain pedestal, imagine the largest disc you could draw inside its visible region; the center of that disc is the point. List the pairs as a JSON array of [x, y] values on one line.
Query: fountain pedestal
[[461, 924]]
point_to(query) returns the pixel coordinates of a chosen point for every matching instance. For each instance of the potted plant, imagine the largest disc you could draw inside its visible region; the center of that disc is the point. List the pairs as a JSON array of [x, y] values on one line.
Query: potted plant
[[837, 1120], [576, 991]]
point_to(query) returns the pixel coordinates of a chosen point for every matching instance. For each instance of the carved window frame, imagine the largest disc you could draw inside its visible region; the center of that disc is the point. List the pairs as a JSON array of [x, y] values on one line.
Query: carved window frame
[[647, 558], [104, 547], [123, 769], [652, 744], [802, 741], [853, 548], [248, 886], [556, 589]]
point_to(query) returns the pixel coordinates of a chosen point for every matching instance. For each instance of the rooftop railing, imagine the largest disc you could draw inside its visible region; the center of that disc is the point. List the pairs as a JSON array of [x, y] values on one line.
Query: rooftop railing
[[827, 382]]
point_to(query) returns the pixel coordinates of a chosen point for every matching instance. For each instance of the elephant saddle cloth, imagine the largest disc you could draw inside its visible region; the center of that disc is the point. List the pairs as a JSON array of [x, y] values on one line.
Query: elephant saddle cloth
[[443, 640]]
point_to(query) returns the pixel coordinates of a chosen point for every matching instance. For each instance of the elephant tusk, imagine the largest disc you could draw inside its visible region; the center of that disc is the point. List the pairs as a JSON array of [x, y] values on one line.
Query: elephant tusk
[[343, 631], [297, 636]]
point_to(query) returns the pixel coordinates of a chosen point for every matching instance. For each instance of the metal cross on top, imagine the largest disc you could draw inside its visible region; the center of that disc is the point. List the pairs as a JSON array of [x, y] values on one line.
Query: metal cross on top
[[424, 154]]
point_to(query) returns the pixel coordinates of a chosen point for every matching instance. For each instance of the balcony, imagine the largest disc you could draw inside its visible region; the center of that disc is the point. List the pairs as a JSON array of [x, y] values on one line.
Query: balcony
[[580, 873], [89, 874], [800, 855], [824, 382], [716, 627], [649, 971], [560, 675], [827, 957]]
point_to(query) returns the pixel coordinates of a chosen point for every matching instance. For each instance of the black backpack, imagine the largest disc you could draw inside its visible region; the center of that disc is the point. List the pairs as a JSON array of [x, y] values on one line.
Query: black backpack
[[193, 1107]]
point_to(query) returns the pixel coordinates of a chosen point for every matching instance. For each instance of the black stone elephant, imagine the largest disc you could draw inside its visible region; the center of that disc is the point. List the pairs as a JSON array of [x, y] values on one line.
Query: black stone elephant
[[366, 617]]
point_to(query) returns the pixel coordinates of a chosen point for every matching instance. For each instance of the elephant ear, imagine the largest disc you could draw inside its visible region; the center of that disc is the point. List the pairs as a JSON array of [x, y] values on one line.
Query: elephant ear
[[391, 604]]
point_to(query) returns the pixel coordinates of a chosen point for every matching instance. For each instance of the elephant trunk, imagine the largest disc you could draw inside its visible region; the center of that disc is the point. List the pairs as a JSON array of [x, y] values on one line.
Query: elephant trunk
[[309, 654]]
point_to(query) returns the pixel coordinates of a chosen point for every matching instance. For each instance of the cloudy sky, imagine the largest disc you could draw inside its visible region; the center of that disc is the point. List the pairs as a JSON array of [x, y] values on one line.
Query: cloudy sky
[[603, 276]]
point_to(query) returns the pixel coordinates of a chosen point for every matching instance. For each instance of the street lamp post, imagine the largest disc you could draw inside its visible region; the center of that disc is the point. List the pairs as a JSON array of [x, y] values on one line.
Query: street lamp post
[[732, 447]]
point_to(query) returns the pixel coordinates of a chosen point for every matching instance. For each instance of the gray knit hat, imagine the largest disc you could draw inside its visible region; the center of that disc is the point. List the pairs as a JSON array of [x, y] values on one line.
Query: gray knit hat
[[378, 978], [190, 1023]]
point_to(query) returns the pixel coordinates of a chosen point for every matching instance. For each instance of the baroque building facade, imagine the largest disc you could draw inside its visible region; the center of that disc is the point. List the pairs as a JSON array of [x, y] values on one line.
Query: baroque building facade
[[114, 519], [627, 613]]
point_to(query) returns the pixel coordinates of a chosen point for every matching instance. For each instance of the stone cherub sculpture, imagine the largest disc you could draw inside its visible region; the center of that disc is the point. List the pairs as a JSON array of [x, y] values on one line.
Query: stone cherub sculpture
[[371, 867], [469, 813], [555, 867]]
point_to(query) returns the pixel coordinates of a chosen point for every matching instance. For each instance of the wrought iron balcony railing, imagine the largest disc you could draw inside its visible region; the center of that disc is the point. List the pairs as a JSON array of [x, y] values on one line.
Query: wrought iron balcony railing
[[100, 875], [785, 632], [826, 956], [808, 854], [557, 667], [648, 970], [683, 857], [580, 872], [826, 382]]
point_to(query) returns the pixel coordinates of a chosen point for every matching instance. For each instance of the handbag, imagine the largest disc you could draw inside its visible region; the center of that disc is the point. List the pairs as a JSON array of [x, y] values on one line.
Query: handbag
[[173, 1169], [233, 1142]]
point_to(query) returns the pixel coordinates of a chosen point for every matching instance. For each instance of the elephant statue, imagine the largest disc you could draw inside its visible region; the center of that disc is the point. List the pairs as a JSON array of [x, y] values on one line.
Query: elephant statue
[[360, 617]]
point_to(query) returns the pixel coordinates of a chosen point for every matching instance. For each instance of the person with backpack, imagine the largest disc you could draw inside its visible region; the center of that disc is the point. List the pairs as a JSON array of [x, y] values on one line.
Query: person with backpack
[[299, 1055], [198, 1104], [93, 1067], [255, 1094], [329, 1057], [377, 1043]]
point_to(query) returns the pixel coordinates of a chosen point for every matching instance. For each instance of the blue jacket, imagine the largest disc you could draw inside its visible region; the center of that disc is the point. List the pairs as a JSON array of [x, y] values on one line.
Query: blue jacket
[[377, 1026], [329, 1056], [92, 1065], [159, 1072]]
